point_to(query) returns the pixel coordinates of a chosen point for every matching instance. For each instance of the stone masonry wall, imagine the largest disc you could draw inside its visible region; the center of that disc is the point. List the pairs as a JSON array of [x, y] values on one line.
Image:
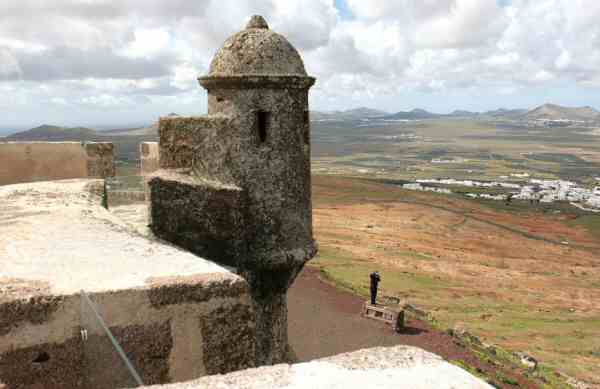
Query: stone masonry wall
[[199, 216], [177, 329], [100, 159], [274, 172], [177, 142], [47, 161], [149, 158]]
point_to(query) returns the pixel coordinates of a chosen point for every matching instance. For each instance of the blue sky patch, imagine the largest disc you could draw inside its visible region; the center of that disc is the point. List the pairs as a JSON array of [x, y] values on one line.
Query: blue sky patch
[[342, 6]]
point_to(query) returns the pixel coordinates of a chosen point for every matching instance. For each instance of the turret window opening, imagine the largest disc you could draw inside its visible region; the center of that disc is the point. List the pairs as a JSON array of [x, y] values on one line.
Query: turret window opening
[[306, 130], [262, 120]]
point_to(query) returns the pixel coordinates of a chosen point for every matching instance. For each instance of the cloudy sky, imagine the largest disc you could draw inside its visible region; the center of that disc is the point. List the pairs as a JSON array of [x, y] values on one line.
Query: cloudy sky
[[126, 62]]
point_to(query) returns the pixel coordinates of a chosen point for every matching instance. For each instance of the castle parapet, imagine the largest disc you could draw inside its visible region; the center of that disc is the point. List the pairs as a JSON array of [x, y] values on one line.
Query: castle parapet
[[22, 162]]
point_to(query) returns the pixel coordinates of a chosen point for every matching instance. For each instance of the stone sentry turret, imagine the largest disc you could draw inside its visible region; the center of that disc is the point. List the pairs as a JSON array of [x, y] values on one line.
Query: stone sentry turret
[[234, 186]]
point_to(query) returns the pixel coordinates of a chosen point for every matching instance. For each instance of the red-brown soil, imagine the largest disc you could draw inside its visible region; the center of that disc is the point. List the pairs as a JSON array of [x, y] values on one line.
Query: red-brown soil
[[324, 321]]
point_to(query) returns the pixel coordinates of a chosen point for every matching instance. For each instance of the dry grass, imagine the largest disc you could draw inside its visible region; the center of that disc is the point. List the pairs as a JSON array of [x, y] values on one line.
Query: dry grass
[[503, 274]]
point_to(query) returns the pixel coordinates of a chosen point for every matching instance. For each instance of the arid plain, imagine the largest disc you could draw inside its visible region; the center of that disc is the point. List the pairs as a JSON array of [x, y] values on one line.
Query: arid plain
[[524, 279]]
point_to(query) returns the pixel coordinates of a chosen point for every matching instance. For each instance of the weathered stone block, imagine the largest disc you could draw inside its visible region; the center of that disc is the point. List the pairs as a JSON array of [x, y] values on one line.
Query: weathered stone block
[[100, 159], [177, 139], [202, 217], [226, 346], [149, 158]]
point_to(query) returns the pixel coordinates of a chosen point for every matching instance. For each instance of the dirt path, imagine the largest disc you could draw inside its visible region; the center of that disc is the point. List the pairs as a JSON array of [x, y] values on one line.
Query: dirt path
[[324, 321]]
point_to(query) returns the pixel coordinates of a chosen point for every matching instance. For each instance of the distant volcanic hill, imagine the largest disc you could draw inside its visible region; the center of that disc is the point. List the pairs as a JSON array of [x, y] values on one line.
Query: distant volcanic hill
[[557, 112], [415, 114], [420, 114], [506, 113], [463, 113], [54, 133], [50, 133]]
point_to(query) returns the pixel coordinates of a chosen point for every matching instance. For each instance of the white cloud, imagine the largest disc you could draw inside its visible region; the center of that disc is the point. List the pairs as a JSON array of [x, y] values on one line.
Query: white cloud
[[148, 42], [9, 66], [111, 102], [502, 60], [467, 23], [543, 76], [563, 60], [59, 101], [144, 54], [185, 77]]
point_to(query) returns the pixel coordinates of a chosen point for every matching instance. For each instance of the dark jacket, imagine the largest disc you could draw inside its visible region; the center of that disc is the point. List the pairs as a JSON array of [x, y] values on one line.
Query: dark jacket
[[374, 280]]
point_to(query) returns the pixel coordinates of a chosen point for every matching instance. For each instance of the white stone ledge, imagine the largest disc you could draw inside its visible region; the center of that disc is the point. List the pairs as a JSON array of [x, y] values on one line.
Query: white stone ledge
[[377, 368]]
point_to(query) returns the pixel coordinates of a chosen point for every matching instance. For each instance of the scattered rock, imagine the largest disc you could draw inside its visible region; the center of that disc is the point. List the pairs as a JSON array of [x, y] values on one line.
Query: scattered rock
[[486, 316], [527, 360]]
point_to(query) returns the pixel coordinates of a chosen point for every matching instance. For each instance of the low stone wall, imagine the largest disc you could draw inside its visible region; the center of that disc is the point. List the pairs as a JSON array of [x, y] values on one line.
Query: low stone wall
[[47, 161], [119, 197], [177, 316]]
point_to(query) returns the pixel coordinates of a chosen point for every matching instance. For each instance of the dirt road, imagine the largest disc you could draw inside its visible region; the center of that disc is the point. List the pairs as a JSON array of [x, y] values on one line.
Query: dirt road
[[324, 321]]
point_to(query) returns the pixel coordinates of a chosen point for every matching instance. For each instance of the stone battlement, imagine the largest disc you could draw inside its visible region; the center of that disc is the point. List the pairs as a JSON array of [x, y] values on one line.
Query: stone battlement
[[57, 240], [47, 161]]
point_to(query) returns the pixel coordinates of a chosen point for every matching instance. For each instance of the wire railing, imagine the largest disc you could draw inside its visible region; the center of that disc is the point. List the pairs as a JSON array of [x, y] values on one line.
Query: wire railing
[[100, 354]]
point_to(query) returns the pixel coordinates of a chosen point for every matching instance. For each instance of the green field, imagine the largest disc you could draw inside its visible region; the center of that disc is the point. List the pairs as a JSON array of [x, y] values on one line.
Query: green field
[[490, 150]]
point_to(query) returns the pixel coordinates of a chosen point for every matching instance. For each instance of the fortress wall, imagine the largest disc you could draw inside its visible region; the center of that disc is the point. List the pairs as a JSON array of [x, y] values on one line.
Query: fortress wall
[[171, 332], [47, 161], [149, 158], [177, 316]]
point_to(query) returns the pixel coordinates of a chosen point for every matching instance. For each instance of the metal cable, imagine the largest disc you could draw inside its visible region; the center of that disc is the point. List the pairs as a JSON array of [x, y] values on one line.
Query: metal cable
[[114, 341]]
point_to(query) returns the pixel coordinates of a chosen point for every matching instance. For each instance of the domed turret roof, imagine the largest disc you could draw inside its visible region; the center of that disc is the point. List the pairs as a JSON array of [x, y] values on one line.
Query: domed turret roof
[[257, 51]]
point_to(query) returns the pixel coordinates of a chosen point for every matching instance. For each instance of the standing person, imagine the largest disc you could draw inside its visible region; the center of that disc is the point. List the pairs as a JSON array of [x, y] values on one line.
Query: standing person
[[375, 278]]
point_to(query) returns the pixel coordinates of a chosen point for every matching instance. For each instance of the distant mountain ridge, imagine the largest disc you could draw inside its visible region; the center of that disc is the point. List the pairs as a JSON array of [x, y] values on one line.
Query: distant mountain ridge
[[547, 112], [54, 133], [57, 133], [415, 114], [420, 114], [542, 112]]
